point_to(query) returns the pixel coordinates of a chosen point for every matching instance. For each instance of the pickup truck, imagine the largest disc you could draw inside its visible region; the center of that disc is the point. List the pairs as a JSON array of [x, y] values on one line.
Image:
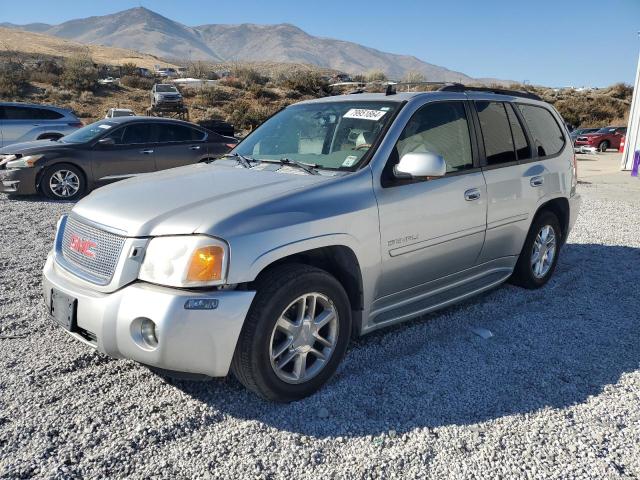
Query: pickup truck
[[603, 139]]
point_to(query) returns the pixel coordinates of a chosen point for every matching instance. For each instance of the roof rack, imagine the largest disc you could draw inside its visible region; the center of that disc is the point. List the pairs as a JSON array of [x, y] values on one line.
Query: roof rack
[[458, 87]]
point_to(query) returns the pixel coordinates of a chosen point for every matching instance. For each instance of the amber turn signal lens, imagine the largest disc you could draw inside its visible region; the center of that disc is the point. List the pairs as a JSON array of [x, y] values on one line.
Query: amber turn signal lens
[[206, 264]]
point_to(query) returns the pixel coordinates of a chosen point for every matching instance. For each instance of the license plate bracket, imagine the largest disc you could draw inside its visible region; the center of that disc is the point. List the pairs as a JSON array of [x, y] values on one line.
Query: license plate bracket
[[63, 309]]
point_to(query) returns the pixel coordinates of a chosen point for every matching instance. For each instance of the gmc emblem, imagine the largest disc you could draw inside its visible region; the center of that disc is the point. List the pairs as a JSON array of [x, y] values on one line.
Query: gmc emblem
[[85, 247]]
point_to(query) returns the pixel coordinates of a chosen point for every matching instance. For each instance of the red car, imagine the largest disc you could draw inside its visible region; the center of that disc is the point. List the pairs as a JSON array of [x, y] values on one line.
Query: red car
[[603, 139]]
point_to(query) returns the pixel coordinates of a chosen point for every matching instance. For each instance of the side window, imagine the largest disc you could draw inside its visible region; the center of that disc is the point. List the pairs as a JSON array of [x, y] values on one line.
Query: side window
[[117, 135], [523, 150], [440, 128], [170, 132], [496, 132], [547, 136], [137, 133], [18, 113], [45, 114]]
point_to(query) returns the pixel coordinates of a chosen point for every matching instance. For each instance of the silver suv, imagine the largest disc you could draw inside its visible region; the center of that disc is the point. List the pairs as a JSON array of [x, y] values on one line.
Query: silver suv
[[24, 122], [336, 217]]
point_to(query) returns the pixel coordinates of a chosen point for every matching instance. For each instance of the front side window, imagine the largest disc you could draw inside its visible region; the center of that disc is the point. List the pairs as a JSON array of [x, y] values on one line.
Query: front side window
[[332, 135], [496, 132], [439, 128], [547, 135], [137, 133]]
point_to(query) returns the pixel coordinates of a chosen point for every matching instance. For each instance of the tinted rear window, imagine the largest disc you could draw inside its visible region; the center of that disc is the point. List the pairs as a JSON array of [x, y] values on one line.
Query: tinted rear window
[[547, 136], [496, 132], [28, 113], [178, 133]]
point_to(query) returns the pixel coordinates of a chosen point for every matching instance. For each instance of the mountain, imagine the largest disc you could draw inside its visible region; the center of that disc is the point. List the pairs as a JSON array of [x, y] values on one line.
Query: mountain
[[144, 30], [38, 44]]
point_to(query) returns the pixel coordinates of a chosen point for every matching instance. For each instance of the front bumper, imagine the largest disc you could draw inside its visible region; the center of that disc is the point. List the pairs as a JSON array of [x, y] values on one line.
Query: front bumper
[[21, 181], [191, 341]]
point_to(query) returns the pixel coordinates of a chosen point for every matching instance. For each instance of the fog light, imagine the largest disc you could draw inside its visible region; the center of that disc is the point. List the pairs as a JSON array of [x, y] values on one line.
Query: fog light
[[148, 332]]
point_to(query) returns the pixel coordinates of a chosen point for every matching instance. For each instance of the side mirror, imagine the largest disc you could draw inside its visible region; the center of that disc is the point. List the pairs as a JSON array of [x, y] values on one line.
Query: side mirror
[[106, 142], [420, 164]]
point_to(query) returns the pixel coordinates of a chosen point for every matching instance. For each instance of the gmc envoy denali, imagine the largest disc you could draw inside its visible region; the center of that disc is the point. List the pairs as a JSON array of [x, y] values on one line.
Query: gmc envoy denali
[[336, 217]]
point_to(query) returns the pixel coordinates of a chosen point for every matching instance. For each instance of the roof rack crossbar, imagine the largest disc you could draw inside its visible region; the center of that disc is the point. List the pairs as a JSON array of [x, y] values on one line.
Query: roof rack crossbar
[[458, 87]]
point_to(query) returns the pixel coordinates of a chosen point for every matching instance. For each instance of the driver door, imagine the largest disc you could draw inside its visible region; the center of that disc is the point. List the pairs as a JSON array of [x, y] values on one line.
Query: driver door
[[435, 227], [131, 153]]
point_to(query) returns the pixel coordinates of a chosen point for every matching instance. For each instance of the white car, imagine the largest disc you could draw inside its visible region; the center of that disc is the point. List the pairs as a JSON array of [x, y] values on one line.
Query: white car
[[119, 112], [109, 81]]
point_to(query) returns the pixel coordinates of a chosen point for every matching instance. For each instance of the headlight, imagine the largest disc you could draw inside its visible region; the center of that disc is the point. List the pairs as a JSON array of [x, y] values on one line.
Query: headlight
[[27, 161], [185, 261]]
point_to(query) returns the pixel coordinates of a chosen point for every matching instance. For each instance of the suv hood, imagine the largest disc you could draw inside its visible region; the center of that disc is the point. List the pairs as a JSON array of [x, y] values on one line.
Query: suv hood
[[185, 200]]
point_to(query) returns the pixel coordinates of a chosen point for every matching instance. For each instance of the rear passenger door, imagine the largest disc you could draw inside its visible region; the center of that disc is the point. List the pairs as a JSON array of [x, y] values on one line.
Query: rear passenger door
[[178, 145], [517, 176]]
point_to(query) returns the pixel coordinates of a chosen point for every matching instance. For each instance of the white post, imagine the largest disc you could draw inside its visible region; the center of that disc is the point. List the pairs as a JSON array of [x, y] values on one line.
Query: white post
[[632, 142]]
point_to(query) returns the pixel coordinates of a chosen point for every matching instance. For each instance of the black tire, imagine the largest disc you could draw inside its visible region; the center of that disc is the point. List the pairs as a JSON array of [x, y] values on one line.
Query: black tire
[[50, 172], [523, 275], [603, 146], [276, 290]]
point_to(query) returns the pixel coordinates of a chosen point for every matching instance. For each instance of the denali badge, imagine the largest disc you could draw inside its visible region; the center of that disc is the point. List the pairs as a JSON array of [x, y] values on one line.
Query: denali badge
[[85, 247]]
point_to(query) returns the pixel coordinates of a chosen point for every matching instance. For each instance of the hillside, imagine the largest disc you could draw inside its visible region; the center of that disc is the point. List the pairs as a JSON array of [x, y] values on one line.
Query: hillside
[[12, 40], [150, 32]]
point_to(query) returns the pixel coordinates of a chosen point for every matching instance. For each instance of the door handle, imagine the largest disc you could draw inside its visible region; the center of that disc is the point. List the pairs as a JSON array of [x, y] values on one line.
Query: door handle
[[472, 194], [195, 147], [536, 181], [146, 152]]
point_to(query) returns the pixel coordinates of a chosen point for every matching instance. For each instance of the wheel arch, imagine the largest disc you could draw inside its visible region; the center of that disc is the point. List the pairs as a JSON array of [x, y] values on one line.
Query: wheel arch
[[65, 162], [338, 260], [560, 207]]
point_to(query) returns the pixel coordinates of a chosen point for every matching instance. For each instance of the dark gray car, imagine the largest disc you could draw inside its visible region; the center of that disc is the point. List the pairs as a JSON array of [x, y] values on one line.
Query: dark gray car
[[103, 152]]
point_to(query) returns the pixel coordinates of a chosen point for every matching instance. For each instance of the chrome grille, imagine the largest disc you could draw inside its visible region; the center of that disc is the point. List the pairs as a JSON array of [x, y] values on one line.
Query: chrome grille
[[100, 262]]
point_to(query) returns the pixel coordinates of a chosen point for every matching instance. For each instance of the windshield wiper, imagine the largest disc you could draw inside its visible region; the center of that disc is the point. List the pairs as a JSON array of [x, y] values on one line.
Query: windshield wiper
[[241, 159], [307, 167]]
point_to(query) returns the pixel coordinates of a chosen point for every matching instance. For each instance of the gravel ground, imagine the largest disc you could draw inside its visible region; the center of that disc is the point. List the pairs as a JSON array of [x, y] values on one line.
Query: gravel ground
[[555, 393]]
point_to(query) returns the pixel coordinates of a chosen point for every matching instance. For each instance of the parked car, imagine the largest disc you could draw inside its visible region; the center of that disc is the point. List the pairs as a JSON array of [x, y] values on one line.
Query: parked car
[[103, 152], [165, 95], [109, 81], [602, 139], [167, 72], [581, 131], [337, 216], [21, 122], [119, 112]]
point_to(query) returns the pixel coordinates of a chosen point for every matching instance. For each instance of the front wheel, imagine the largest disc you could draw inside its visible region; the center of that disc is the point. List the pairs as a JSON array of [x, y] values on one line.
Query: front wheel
[[63, 182], [603, 146], [295, 334], [539, 255]]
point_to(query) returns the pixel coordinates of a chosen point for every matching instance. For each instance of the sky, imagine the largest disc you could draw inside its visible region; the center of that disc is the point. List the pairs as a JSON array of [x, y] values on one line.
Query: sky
[[546, 42]]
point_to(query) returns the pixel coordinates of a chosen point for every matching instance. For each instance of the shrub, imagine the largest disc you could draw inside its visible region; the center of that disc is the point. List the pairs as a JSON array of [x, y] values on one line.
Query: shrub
[[308, 83], [44, 77], [13, 78], [247, 115], [79, 74], [232, 82], [248, 76], [210, 96], [413, 77], [128, 68], [201, 70], [134, 81], [259, 91], [376, 76]]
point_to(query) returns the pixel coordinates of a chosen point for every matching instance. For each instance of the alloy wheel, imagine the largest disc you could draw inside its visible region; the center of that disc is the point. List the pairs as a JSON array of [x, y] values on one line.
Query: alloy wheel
[[64, 183], [544, 251], [304, 338]]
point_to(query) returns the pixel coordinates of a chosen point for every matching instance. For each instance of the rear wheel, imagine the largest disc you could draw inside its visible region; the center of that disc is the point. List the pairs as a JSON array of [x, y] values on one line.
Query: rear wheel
[[63, 182], [603, 146], [295, 334], [539, 255]]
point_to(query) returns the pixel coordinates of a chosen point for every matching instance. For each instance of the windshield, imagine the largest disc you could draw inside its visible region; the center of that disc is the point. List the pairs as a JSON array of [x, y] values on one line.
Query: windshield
[[330, 135], [88, 133], [165, 88]]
